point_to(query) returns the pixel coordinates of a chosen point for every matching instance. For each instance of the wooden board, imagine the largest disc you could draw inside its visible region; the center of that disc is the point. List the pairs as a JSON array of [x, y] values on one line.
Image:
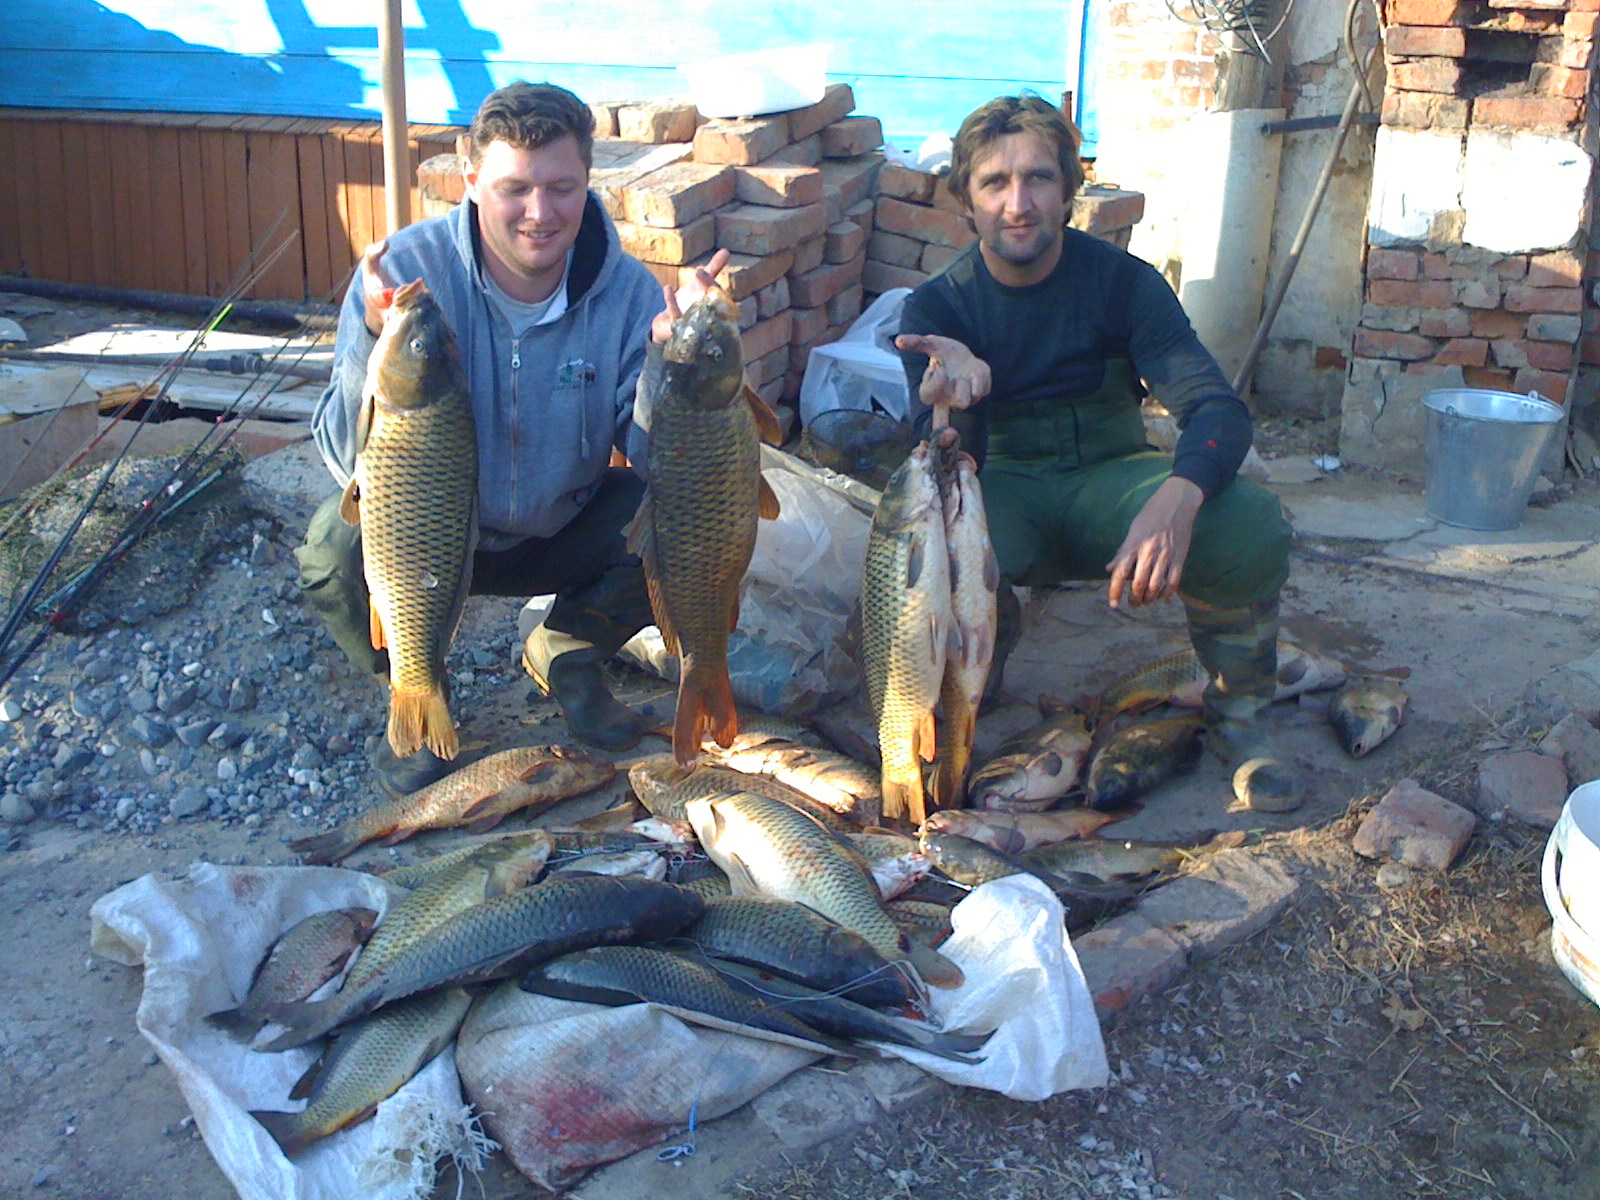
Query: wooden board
[[167, 231], [10, 233]]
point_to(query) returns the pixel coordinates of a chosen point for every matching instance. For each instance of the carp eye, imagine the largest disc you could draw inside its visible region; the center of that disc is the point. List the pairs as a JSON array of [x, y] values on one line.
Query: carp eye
[[416, 345], [714, 352]]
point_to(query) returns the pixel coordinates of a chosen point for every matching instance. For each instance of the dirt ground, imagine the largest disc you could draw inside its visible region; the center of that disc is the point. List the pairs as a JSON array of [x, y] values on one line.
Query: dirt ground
[[1405, 1041]]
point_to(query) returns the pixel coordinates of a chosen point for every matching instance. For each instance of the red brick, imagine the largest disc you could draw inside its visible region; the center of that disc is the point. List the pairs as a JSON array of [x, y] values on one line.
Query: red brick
[[845, 307], [1380, 343], [851, 136], [1565, 328], [809, 325], [439, 179], [924, 224], [808, 255], [854, 179], [821, 285], [789, 393], [679, 245], [804, 152], [1524, 112], [1430, 12], [800, 353], [676, 195], [1329, 358], [657, 121], [1528, 22], [1589, 350], [749, 312], [1496, 323], [773, 298], [1580, 26], [1487, 377], [740, 142], [605, 117], [1424, 110], [744, 275], [894, 249], [1576, 53], [1522, 299], [1550, 80], [666, 274], [1404, 41], [935, 258], [862, 213], [838, 100], [1463, 352], [778, 187], [1419, 294], [1392, 264], [947, 201], [842, 242], [905, 184], [1437, 266], [1445, 323], [1478, 293], [1511, 267], [774, 364], [1547, 383], [1549, 356], [1561, 268], [1097, 209], [757, 229], [878, 277], [766, 336], [1441, 75]]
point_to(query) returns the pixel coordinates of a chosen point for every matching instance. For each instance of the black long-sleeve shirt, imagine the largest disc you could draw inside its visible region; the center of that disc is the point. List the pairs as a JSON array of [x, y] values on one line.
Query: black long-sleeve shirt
[[1054, 338]]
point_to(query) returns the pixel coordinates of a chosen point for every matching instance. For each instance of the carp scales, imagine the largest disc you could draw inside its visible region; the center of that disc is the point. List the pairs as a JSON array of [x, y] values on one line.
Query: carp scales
[[499, 938], [905, 629], [418, 873], [1136, 759], [1365, 712], [974, 584], [768, 848], [414, 495], [1085, 898], [479, 796], [665, 788], [893, 858], [1109, 860], [791, 940], [844, 785], [1012, 833], [304, 958], [696, 526], [1033, 770], [1180, 679], [365, 1065]]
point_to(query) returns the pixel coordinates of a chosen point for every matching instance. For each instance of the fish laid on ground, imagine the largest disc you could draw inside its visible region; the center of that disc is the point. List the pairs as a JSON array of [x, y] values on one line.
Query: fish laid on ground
[[1012, 833], [1031, 771], [414, 495], [1366, 711], [629, 974], [846, 786], [1108, 859], [365, 1065], [1180, 679], [700, 876], [418, 873], [974, 582], [479, 796], [1137, 758], [1085, 898], [665, 788], [926, 922], [304, 958], [905, 629], [768, 848], [845, 1018], [696, 526], [792, 940], [499, 938], [648, 864], [893, 858]]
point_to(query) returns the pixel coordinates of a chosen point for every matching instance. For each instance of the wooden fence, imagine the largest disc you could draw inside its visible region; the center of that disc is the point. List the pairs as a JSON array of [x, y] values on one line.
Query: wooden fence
[[177, 202]]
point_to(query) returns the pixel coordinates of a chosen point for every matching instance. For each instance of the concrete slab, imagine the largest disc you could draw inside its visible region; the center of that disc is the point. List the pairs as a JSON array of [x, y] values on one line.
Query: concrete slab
[[1319, 511], [1233, 896]]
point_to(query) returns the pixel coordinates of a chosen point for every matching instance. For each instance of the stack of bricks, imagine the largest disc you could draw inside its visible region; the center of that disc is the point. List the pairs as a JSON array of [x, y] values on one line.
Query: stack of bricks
[[790, 196], [1504, 77], [919, 226]]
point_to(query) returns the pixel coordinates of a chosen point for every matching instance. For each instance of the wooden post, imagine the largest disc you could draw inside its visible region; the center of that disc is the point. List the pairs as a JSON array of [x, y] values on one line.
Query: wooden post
[[396, 130]]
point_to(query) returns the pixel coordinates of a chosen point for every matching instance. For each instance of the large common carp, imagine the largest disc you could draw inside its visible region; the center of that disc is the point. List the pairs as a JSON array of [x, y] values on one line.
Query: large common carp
[[768, 848], [479, 795], [1180, 679], [905, 628], [848, 787], [696, 527], [1012, 833], [415, 496], [665, 789], [974, 582], [1136, 759], [304, 958], [365, 1065], [1034, 769], [1086, 898]]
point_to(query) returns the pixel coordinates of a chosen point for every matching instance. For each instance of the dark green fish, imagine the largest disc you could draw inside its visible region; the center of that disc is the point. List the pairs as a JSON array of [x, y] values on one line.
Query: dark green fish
[[1085, 898], [1136, 759]]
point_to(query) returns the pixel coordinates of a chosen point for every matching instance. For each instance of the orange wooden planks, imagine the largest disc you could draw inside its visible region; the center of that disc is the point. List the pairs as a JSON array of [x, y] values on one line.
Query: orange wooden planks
[[78, 201], [167, 229], [10, 169], [192, 194], [313, 190], [274, 211]]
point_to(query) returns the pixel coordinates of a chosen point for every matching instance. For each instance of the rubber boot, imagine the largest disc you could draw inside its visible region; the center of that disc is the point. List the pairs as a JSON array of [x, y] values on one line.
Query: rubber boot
[[1007, 633], [1239, 648], [401, 776], [565, 655]]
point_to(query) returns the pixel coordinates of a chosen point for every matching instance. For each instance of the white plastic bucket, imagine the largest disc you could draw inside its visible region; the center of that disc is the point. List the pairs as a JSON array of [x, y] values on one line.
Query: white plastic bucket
[[757, 82], [1572, 889]]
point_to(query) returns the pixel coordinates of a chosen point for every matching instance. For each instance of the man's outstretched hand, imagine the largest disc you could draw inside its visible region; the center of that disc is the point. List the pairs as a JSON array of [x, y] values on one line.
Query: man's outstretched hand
[[1149, 565], [955, 376], [677, 303]]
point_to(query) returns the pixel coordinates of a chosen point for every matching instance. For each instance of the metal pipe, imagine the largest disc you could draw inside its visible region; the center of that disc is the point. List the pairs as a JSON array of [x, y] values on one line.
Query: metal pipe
[[257, 312], [1304, 124], [249, 362], [396, 131]]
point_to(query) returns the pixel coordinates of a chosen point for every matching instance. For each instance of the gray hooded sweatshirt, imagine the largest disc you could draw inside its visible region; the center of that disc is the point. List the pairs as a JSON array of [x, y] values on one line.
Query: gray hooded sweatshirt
[[549, 405]]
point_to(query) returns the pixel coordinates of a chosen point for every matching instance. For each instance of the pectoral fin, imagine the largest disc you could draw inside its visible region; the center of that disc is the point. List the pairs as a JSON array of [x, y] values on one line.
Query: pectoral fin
[[766, 420], [766, 501]]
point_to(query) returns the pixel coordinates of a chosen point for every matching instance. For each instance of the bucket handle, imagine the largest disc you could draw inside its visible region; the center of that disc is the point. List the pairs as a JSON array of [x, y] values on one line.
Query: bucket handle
[[1581, 938]]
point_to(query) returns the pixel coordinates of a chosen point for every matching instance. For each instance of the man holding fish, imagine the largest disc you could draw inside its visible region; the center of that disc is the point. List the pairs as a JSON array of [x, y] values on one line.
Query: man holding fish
[[552, 320], [1042, 340]]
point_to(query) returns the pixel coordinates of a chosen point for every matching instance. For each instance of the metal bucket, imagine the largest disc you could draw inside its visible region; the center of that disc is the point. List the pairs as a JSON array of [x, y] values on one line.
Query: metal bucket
[[1483, 454]]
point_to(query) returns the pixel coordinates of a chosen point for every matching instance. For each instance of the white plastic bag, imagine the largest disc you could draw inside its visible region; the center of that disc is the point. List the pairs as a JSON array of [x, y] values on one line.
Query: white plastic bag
[[862, 370]]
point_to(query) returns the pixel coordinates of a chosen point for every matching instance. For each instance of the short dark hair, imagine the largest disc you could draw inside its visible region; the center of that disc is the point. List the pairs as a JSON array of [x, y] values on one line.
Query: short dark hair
[[1027, 113], [530, 115]]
